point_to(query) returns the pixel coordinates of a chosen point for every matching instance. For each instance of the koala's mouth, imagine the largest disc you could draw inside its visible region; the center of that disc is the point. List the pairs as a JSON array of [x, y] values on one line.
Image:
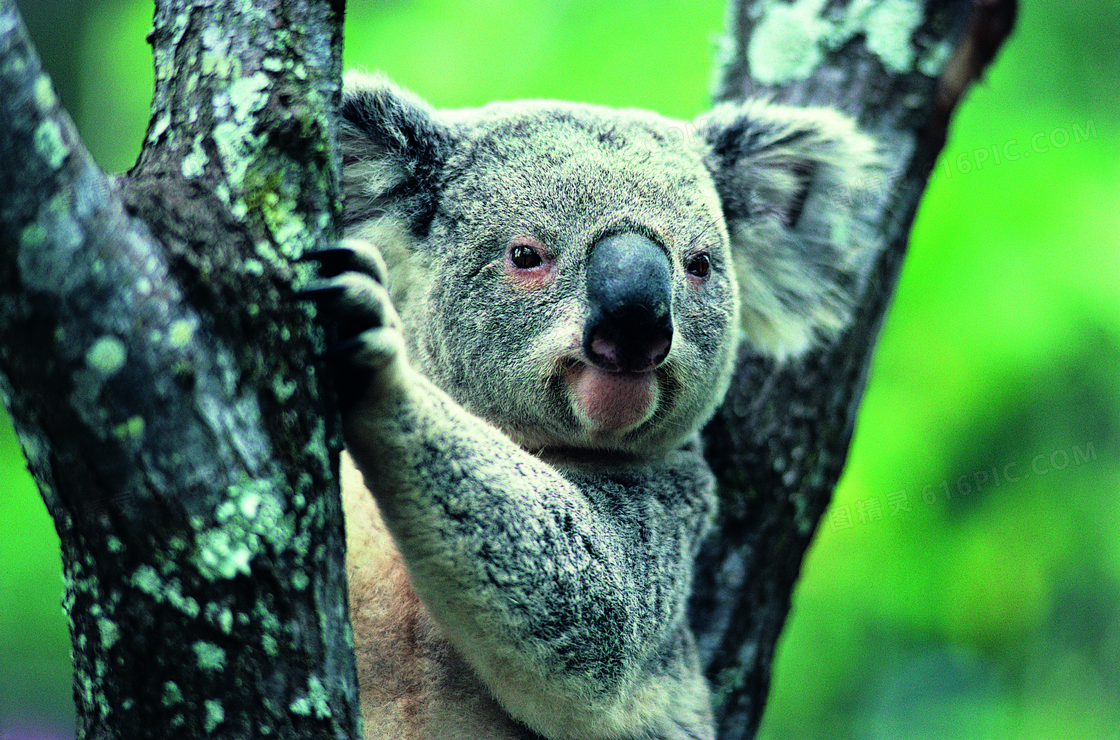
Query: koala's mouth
[[611, 403]]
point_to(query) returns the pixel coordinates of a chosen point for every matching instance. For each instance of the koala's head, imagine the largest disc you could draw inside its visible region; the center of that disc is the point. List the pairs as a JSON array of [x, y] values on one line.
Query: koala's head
[[579, 276]]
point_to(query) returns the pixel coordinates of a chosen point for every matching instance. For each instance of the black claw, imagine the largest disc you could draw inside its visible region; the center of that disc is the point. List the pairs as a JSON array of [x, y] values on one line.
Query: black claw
[[344, 347], [339, 350], [337, 260], [333, 261], [319, 291], [345, 316], [348, 316]]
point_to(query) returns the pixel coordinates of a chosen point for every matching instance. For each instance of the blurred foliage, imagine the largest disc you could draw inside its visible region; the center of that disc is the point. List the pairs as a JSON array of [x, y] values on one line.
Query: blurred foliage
[[966, 582]]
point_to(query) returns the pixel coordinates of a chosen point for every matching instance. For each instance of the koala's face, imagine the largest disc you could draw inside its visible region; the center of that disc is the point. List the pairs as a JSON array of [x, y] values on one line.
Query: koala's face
[[579, 289], [565, 271]]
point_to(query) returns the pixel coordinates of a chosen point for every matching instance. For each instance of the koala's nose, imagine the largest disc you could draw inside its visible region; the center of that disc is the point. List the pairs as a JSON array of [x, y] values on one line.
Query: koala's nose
[[629, 292]]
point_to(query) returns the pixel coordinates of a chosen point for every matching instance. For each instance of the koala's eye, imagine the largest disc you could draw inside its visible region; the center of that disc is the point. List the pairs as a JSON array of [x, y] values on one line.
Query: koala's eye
[[700, 265], [524, 257]]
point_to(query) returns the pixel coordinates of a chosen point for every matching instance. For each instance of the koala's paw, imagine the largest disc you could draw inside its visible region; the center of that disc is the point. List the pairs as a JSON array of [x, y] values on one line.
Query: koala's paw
[[351, 295]]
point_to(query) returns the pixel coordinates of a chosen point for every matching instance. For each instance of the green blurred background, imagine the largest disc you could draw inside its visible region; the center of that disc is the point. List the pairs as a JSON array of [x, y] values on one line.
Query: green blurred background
[[966, 583]]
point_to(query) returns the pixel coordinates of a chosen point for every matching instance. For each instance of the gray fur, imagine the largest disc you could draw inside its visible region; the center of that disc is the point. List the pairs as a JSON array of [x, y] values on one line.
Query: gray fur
[[550, 543]]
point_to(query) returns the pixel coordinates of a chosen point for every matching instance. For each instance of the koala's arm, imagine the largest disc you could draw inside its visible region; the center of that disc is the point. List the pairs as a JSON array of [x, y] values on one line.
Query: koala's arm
[[565, 595], [565, 592]]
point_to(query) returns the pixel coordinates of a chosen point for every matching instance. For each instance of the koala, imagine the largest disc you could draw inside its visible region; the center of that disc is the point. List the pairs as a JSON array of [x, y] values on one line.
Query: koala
[[538, 306]]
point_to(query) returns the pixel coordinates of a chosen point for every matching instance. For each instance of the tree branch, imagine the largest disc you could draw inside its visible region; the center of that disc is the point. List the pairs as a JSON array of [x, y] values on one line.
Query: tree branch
[[165, 395], [780, 441]]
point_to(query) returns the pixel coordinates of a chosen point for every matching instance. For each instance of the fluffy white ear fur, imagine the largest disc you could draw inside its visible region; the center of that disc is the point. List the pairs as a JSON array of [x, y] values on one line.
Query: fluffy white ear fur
[[392, 149], [796, 185]]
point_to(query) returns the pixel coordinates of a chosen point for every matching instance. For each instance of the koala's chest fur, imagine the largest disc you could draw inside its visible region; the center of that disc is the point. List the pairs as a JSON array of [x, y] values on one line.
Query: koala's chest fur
[[414, 685]]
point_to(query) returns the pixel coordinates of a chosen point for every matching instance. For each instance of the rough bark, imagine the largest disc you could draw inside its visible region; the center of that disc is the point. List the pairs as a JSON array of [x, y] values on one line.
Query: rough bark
[[780, 440], [166, 397], [163, 389]]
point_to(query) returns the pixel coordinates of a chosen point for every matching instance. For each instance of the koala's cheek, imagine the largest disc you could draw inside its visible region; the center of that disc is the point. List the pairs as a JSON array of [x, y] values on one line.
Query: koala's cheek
[[612, 403]]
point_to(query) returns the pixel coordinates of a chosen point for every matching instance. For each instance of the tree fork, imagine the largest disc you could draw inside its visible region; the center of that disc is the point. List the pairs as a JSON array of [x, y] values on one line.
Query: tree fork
[[166, 397]]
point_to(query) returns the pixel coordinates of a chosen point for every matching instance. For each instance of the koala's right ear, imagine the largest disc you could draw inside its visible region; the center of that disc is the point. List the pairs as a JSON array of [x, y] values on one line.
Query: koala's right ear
[[392, 152]]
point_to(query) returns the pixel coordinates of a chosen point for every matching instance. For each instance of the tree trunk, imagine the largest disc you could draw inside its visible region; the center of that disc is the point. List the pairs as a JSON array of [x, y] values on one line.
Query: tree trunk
[[166, 395], [780, 440], [164, 389]]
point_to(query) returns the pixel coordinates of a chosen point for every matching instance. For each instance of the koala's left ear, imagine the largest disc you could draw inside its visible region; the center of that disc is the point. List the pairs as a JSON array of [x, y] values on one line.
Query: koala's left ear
[[393, 149], [795, 185]]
